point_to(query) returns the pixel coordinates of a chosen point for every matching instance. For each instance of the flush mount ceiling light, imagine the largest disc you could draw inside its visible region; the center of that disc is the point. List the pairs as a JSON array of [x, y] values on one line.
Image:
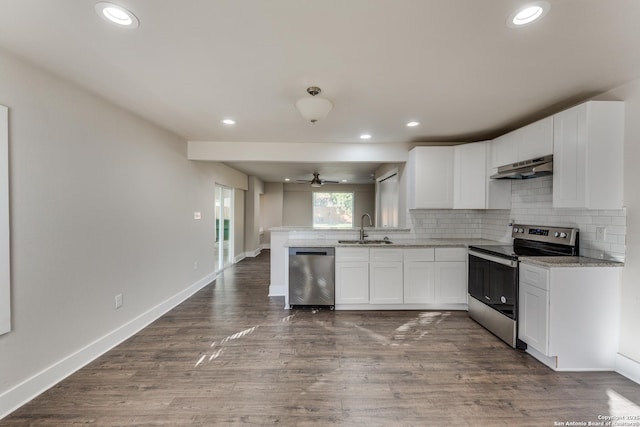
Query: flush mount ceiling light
[[365, 136], [412, 124], [527, 14], [229, 122], [314, 108], [116, 15]]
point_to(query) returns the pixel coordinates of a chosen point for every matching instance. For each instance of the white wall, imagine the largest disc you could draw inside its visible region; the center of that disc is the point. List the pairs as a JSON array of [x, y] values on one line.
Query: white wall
[[238, 224], [630, 310], [271, 205], [252, 216], [102, 203]]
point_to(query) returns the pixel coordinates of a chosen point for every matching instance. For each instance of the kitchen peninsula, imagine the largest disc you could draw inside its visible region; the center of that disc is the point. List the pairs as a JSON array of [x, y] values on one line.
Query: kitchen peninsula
[[407, 273]]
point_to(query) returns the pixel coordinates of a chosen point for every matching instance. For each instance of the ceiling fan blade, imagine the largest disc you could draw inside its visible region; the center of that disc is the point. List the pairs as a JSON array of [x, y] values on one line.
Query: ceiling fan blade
[[303, 180], [326, 181]]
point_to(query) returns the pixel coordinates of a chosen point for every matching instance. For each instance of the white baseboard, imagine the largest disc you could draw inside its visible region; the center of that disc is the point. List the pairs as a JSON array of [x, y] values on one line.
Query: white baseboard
[[265, 246], [239, 258], [277, 291], [22, 393], [253, 254], [628, 368]]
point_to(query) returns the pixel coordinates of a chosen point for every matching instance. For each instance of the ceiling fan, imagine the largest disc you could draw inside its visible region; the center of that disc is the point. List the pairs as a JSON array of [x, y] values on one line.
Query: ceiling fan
[[316, 181]]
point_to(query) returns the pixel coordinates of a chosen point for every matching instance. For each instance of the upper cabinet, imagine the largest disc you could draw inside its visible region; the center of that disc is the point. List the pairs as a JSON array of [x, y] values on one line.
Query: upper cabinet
[[498, 191], [503, 150], [536, 139], [470, 175], [430, 178], [588, 156], [528, 142], [472, 189], [454, 177]]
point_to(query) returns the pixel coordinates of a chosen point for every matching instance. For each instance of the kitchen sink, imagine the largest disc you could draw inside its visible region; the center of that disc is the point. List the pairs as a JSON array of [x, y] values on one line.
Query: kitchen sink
[[365, 242]]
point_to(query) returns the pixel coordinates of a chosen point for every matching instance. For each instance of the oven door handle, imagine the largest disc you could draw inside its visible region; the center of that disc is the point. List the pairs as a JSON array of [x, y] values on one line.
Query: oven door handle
[[508, 262]]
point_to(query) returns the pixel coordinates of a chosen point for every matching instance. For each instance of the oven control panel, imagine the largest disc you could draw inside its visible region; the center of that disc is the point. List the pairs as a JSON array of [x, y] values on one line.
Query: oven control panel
[[560, 235]]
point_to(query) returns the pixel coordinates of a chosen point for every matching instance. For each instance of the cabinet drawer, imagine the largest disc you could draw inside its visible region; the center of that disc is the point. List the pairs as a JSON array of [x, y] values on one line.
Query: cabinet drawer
[[534, 276], [417, 255], [451, 254], [352, 254], [385, 255]]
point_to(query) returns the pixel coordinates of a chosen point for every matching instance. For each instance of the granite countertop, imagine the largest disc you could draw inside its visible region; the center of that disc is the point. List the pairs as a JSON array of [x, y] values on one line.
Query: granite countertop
[[342, 229], [400, 243], [569, 261]]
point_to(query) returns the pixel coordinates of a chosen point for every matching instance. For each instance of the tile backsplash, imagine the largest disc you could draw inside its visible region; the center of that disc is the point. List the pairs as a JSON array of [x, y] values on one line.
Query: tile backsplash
[[531, 204]]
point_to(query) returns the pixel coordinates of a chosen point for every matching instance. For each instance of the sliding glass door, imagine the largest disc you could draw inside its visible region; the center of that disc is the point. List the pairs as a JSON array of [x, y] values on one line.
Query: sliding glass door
[[224, 227]]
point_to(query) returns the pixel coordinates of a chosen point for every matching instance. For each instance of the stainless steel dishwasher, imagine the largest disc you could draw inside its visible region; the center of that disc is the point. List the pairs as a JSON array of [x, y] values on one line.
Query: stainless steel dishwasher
[[312, 277]]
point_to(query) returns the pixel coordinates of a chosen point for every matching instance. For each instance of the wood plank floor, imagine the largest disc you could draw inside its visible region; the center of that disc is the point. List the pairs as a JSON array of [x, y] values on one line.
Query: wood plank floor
[[230, 355]]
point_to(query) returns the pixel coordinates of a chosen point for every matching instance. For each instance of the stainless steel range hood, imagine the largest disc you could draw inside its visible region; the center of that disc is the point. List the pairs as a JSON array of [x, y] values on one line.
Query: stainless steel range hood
[[539, 166]]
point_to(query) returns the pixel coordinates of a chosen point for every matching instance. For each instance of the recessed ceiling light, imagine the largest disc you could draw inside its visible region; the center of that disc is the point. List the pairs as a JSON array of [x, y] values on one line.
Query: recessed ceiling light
[[117, 15], [365, 136], [344, 180], [412, 124], [528, 14], [287, 179], [229, 122]]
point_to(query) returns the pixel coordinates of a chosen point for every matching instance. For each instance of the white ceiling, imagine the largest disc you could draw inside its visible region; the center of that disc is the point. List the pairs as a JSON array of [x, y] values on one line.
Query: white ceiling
[[453, 65]]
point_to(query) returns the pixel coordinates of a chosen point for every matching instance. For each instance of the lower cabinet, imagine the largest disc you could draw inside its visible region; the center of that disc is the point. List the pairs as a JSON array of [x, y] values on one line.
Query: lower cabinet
[[419, 282], [451, 282], [533, 325], [419, 276], [568, 316], [352, 276], [385, 276], [396, 276]]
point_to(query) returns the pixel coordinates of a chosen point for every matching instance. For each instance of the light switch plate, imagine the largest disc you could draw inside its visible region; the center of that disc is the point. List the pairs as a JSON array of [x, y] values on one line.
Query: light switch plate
[[197, 215], [118, 301]]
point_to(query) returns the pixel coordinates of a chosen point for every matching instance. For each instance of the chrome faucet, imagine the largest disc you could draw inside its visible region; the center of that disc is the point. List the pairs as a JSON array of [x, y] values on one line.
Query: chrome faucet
[[362, 235]]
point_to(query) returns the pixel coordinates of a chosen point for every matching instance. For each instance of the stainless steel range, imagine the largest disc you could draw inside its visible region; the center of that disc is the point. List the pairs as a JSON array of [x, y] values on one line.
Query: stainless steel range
[[493, 275]]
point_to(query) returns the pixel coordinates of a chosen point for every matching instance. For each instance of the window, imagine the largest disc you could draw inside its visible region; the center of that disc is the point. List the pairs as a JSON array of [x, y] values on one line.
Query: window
[[332, 209]]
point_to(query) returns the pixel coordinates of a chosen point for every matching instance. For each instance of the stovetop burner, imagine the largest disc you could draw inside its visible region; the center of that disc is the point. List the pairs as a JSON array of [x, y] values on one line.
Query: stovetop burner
[[535, 240]]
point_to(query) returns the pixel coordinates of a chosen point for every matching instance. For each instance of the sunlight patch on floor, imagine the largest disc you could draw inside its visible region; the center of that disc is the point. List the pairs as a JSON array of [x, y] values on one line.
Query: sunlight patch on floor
[[220, 351], [620, 406]]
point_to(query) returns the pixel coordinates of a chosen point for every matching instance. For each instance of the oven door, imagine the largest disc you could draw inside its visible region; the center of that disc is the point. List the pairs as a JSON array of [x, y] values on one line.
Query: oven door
[[493, 280]]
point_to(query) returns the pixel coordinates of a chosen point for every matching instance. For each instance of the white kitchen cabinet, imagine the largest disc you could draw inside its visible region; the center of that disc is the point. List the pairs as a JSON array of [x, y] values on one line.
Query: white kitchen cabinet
[[470, 176], [454, 177], [385, 276], [430, 178], [533, 321], [526, 143], [504, 150], [588, 156], [392, 278], [451, 282], [568, 316], [352, 276], [451, 275], [498, 191], [535, 140], [419, 276]]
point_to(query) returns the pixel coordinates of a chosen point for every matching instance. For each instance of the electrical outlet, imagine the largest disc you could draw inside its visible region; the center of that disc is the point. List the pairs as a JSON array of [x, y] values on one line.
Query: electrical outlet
[[197, 215], [118, 301], [601, 234]]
